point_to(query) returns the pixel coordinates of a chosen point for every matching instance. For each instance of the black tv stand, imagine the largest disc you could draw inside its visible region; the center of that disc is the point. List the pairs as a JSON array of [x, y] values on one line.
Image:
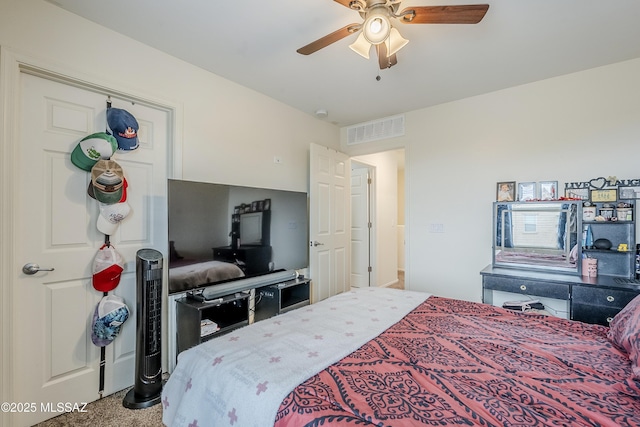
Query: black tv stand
[[199, 321], [281, 297], [229, 307]]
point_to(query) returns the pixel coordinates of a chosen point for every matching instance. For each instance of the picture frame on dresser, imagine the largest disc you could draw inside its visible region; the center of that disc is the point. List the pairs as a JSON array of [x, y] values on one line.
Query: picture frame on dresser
[[526, 191], [548, 190], [506, 191], [628, 193], [577, 193]]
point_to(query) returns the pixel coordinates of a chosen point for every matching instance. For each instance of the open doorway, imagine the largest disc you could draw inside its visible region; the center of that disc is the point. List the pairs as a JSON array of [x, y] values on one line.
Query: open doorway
[[377, 214]]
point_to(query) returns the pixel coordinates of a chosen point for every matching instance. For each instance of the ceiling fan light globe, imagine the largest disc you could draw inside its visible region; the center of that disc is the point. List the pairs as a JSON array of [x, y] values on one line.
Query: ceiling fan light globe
[[377, 26], [361, 46], [395, 42]]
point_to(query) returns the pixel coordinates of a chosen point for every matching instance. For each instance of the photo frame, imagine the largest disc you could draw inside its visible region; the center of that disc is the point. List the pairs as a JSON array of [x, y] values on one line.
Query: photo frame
[[506, 191], [526, 191], [548, 190], [606, 195], [627, 193], [577, 193]]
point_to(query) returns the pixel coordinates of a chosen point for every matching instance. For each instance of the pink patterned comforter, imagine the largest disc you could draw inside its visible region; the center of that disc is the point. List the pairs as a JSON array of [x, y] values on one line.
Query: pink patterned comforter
[[452, 362]]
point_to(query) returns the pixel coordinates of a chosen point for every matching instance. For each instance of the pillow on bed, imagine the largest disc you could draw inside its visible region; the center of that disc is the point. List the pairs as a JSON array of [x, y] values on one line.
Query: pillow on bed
[[625, 326], [624, 333]]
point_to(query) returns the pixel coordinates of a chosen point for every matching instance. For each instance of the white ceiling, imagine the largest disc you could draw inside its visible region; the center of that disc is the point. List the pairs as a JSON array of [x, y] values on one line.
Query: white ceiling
[[254, 44]]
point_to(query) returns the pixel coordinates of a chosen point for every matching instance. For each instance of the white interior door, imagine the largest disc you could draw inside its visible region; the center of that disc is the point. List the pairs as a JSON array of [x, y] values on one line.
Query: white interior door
[[54, 359], [360, 226], [329, 222]]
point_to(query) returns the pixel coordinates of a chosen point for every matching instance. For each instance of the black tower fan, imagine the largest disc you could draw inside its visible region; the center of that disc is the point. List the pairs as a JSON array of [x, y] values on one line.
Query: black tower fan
[[147, 388]]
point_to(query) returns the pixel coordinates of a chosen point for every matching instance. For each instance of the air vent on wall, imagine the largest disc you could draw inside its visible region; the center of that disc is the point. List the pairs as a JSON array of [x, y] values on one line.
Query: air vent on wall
[[376, 129]]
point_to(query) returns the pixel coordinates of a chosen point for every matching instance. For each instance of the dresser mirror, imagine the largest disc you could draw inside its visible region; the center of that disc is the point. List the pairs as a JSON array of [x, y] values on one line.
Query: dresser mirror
[[537, 235]]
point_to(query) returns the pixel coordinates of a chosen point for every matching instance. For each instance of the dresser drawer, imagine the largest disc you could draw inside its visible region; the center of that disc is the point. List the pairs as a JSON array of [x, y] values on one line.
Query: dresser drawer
[[595, 314], [598, 305], [603, 297], [227, 254], [527, 287]]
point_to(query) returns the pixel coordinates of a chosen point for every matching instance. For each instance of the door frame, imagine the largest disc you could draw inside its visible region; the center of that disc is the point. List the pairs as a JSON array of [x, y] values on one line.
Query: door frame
[[371, 206], [12, 65]]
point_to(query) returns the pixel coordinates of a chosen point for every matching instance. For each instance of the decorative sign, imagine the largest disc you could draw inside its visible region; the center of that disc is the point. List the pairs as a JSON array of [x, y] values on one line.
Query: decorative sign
[[609, 195], [602, 182], [603, 189]]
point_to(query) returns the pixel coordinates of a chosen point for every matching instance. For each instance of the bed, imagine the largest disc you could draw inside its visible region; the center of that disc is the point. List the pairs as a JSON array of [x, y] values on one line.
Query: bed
[[385, 357], [190, 275]]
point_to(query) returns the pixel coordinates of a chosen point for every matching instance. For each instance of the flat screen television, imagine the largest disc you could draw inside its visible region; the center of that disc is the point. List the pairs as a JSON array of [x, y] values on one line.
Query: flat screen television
[[220, 233]]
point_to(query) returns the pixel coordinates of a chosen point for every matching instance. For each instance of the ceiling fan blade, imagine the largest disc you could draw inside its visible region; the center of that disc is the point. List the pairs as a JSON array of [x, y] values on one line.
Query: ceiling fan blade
[[385, 61], [345, 3], [463, 14], [329, 38]]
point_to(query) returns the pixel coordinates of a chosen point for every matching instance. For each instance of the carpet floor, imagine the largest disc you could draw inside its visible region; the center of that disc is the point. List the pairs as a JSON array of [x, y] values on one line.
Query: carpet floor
[[108, 412]]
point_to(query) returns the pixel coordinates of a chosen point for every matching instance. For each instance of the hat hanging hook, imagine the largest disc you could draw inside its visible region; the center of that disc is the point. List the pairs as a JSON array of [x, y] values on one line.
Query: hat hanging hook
[[108, 106], [107, 242]]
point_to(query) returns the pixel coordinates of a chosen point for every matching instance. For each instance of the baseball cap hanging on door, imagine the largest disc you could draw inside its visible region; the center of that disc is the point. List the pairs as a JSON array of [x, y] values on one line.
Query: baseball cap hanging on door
[[124, 128], [111, 216], [108, 265], [108, 317], [107, 182], [91, 148]]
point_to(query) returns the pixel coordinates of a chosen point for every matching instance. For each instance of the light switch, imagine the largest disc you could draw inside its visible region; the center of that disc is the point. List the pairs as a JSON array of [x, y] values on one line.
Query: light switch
[[436, 228]]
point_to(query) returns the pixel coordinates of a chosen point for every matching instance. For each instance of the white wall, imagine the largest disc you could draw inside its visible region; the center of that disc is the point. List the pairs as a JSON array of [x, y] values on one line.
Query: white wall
[[571, 128]]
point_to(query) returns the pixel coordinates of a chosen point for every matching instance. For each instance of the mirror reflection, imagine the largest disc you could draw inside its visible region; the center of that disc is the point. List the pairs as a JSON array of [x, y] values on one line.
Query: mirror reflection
[[541, 235]]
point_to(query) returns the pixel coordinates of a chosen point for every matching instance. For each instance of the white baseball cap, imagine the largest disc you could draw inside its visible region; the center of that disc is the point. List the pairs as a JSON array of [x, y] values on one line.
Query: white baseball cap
[[111, 216]]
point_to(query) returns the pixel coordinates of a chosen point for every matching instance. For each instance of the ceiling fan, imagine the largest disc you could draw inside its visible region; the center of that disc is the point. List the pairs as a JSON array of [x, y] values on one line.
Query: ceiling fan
[[378, 31]]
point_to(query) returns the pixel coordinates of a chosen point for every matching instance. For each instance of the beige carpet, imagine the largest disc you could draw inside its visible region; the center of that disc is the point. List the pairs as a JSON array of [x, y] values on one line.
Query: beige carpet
[[108, 412]]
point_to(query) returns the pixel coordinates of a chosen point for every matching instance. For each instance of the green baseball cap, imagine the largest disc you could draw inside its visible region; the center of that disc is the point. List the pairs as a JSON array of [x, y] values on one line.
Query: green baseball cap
[[91, 148]]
